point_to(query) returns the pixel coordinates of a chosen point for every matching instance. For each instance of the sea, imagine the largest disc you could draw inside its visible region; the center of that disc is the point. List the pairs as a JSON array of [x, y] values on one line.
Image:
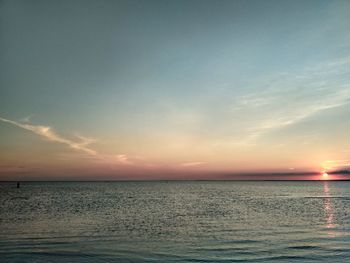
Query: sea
[[175, 221]]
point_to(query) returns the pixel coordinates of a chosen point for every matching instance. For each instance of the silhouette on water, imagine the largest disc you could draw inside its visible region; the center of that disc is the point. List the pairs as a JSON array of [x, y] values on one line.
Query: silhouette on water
[[18, 184]]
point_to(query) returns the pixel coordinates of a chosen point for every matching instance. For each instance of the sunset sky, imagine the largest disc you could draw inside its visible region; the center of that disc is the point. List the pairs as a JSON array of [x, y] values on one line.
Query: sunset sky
[[173, 89]]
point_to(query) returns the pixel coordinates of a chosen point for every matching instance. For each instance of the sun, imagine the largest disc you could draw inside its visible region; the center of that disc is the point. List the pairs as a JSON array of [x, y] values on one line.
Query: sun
[[325, 175]]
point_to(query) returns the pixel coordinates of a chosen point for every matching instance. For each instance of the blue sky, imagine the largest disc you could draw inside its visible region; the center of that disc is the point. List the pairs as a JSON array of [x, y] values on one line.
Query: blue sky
[[174, 86]]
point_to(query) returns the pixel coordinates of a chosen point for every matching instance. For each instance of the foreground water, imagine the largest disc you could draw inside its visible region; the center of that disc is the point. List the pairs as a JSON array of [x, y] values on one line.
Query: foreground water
[[175, 222]]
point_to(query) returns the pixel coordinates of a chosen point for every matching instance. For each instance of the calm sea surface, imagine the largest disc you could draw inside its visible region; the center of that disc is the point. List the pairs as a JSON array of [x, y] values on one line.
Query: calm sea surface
[[175, 222]]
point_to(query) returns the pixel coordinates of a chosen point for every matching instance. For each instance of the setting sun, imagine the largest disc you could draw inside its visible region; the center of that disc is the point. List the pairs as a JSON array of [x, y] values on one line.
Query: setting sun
[[184, 130]]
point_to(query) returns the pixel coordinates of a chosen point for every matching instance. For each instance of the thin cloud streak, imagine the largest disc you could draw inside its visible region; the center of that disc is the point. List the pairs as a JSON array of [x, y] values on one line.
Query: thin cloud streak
[[295, 117], [48, 133], [336, 164], [304, 95], [192, 164], [123, 159]]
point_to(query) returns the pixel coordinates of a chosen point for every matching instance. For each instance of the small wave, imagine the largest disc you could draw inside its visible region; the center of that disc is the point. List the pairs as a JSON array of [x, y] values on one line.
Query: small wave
[[327, 196], [19, 197], [304, 247], [283, 258]]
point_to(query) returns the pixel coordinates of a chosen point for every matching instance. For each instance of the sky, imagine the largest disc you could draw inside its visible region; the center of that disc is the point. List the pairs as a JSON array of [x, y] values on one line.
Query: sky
[[124, 90]]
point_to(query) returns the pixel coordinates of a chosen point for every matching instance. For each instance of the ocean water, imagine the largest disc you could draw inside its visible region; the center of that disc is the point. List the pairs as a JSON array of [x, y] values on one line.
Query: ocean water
[[183, 221]]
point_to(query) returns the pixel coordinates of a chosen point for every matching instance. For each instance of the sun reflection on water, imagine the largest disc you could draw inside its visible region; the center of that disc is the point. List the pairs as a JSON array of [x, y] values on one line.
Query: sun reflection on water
[[328, 208]]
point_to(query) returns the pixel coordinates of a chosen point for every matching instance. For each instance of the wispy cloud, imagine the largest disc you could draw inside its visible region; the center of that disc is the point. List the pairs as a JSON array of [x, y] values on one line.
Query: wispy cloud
[[48, 133], [9, 168], [287, 99], [293, 116], [80, 144], [192, 164], [123, 159], [84, 141], [336, 164], [27, 118]]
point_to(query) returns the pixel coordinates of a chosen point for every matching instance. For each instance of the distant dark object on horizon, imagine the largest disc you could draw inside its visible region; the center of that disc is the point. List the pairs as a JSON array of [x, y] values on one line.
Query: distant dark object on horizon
[[18, 184]]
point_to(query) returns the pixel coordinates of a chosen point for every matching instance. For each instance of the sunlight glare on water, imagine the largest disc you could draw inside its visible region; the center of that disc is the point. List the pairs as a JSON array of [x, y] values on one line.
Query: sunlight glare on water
[[175, 222]]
